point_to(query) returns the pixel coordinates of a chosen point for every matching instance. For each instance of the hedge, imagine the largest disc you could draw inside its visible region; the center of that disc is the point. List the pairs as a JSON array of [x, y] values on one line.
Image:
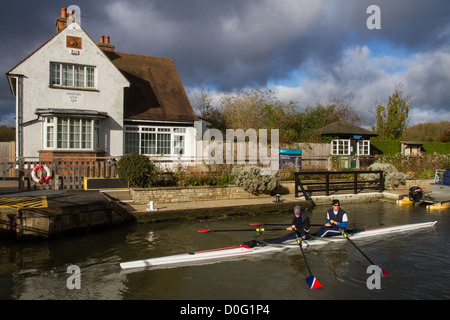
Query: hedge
[[388, 147]]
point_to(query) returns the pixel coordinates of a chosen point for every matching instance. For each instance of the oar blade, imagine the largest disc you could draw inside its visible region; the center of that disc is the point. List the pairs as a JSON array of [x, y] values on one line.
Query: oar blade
[[204, 230], [313, 283], [385, 274]]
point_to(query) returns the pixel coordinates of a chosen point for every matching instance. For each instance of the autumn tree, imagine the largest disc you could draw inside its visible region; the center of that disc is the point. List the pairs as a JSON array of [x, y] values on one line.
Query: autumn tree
[[208, 112], [323, 114], [428, 132], [261, 109], [7, 133], [392, 119]]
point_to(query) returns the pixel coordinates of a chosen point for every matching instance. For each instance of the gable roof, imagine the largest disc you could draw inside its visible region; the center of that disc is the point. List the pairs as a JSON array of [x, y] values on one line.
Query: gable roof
[[342, 128], [74, 25], [156, 91]]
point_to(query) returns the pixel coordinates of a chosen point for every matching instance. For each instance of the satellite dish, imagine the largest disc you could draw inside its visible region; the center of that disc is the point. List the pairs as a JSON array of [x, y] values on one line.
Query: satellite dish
[[76, 14]]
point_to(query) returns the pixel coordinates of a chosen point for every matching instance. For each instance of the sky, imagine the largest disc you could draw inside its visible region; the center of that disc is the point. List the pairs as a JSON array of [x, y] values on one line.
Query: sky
[[307, 51]]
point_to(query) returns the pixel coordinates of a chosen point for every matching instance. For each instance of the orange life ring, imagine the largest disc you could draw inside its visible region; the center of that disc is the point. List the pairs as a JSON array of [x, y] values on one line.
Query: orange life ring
[[375, 154], [41, 180]]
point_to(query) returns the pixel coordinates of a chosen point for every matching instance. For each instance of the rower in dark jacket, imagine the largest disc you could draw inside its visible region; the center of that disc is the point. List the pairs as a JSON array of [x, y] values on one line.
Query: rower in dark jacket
[[300, 225], [336, 219]]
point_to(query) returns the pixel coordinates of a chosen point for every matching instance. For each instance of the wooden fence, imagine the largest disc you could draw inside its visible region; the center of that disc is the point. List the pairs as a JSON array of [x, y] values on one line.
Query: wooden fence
[[319, 181], [66, 173]]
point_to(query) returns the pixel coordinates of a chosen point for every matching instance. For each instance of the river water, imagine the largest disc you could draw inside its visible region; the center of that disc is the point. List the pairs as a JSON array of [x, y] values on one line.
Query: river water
[[419, 262]]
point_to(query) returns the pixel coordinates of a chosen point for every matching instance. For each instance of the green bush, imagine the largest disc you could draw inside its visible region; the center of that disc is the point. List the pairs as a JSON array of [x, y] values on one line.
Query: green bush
[[135, 169], [251, 180], [202, 176]]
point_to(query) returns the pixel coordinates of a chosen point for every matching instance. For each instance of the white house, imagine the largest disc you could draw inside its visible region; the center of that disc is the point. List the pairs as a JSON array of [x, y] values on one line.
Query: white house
[[76, 97]]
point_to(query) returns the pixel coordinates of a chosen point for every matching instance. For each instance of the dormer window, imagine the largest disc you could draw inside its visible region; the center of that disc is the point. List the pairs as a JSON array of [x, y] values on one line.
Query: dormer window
[[72, 75]]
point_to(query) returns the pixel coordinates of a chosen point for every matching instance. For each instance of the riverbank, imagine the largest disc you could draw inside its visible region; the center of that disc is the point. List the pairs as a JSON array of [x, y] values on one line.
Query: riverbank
[[56, 213]]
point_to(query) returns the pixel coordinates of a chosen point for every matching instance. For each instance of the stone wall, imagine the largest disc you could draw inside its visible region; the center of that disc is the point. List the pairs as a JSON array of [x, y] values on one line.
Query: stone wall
[[142, 196], [186, 194]]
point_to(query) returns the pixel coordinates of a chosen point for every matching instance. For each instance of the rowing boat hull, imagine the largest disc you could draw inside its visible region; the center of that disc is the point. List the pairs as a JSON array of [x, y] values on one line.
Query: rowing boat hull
[[214, 254], [244, 250]]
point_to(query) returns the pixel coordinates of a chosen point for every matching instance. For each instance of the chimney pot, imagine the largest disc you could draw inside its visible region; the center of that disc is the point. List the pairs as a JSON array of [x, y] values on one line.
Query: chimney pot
[[107, 39], [102, 39], [63, 12]]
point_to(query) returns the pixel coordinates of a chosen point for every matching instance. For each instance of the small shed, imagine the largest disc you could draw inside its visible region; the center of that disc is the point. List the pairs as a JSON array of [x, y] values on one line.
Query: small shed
[[350, 141], [411, 148]]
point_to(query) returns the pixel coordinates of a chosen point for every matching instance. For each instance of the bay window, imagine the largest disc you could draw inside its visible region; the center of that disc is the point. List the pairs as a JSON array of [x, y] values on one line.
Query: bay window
[[71, 133]]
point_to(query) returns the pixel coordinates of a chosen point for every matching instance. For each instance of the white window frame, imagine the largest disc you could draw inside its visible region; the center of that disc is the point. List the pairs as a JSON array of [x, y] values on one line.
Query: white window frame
[[71, 133], [340, 147], [154, 140], [363, 147], [67, 75]]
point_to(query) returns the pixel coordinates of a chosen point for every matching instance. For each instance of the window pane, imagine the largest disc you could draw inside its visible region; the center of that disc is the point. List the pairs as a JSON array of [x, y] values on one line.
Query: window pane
[[131, 142], [89, 77], [179, 145], [86, 134], [363, 147], [74, 133], [63, 132], [79, 76], [163, 144], [148, 143], [50, 134], [55, 71], [67, 75]]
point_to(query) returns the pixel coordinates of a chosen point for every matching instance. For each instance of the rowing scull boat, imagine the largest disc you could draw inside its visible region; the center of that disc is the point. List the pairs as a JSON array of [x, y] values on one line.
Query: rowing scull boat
[[245, 249]]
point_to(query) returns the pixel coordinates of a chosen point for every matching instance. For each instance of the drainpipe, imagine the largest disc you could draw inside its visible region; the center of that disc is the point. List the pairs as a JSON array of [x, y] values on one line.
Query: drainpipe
[[19, 128], [19, 117]]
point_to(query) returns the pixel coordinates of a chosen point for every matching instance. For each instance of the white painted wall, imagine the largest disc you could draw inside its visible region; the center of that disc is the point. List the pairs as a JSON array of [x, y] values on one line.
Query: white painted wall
[[107, 98]]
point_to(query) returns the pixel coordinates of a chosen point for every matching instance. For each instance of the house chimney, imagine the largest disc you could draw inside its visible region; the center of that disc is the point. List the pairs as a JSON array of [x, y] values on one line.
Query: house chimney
[[105, 44], [61, 22]]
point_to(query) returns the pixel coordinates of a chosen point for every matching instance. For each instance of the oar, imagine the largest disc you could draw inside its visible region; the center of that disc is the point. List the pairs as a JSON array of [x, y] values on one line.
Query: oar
[[312, 281], [279, 224], [233, 230], [383, 272]]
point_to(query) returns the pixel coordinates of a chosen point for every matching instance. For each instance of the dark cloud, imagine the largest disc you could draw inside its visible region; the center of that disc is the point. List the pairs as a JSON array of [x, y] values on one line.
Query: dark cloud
[[235, 44]]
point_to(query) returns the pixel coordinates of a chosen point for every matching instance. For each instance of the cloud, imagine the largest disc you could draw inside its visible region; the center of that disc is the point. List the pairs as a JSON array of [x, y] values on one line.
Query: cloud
[[309, 50], [370, 80]]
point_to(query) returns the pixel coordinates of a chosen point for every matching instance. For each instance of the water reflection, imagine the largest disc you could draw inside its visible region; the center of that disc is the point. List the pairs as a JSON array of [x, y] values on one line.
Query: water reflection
[[39, 270]]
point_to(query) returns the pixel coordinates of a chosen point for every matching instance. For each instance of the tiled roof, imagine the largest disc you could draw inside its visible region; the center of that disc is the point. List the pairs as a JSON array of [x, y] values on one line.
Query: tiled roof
[[156, 91], [342, 128]]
